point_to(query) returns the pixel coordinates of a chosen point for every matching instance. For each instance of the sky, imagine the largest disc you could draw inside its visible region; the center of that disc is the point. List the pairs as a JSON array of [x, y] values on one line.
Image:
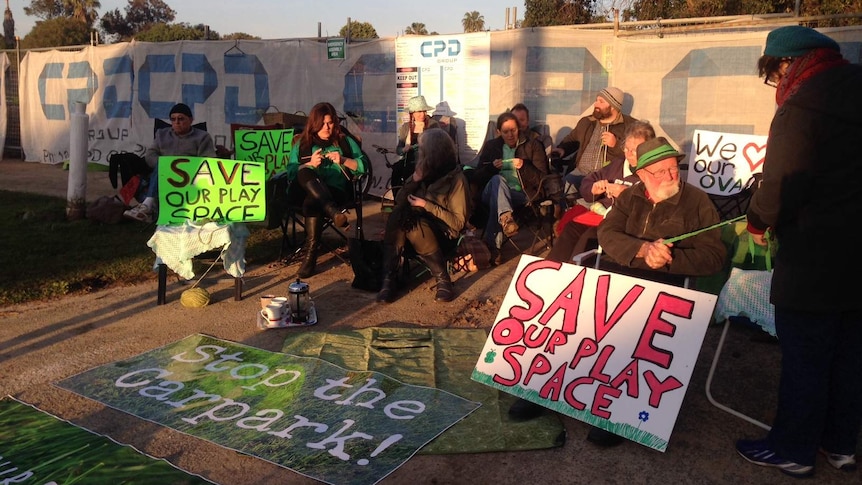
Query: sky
[[281, 19]]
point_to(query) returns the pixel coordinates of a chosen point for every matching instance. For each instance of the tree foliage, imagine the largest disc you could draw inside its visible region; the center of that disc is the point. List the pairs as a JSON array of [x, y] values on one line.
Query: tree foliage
[[179, 31], [473, 22], [359, 30], [57, 32], [541, 13], [139, 16], [240, 36], [679, 9], [416, 28], [83, 10]]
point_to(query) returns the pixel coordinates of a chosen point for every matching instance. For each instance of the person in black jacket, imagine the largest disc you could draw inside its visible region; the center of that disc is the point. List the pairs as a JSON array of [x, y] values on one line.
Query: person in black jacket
[[805, 199], [510, 171]]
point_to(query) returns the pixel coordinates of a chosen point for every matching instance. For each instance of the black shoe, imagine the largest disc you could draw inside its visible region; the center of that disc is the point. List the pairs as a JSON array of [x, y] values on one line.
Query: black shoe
[[445, 290], [604, 438], [523, 410]]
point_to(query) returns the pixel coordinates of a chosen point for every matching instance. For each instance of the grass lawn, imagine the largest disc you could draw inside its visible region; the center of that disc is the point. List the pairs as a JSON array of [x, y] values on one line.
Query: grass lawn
[[43, 255]]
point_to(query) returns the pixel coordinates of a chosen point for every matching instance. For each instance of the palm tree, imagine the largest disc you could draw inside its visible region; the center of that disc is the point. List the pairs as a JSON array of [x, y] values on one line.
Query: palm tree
[[416, 28], [83, 10], [473, 22]]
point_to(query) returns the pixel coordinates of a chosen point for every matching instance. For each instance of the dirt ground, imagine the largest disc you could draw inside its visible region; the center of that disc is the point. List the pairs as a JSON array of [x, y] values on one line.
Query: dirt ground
[[44, 342]]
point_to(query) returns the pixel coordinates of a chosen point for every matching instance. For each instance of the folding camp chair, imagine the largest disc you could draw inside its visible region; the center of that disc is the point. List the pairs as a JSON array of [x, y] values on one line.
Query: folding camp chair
[[709, 377], [730, 207], [292, 216], [537, 215]]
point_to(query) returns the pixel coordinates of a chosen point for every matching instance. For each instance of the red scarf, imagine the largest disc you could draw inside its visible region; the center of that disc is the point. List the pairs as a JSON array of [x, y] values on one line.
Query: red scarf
[[804, 68]]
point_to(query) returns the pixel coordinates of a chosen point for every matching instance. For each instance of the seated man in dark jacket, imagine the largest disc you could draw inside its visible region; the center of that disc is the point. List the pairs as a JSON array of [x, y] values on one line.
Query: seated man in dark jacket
[[633, 235], [661, 207]]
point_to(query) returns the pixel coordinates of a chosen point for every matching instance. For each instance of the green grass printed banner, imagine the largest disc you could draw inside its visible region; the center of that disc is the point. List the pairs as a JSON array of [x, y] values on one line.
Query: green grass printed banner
[[37, 448], [199, 188], [318, 419], [270, 147]]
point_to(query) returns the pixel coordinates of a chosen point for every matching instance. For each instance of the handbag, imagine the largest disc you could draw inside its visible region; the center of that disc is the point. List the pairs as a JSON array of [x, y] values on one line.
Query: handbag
[[473, 254], [746, 293], [106, 210], [366, 259]]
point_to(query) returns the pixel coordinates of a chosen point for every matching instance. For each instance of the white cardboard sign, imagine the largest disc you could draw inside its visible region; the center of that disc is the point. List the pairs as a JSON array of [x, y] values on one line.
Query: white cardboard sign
[[607, 349], [723, 163]]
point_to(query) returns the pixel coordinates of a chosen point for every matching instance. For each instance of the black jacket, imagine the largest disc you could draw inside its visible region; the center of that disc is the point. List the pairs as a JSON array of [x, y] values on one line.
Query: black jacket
[[530, 150], [810, 193]]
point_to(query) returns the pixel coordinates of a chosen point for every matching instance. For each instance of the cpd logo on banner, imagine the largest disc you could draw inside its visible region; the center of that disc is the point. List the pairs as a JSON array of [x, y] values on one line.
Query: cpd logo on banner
[[442, 50]]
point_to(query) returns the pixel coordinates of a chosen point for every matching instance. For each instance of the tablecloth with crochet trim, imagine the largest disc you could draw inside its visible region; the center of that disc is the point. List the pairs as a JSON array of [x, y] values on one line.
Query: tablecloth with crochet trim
[[175, 246]]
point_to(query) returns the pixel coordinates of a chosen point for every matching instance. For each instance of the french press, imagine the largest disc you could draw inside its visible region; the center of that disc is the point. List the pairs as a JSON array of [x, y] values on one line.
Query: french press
[[299, 301]]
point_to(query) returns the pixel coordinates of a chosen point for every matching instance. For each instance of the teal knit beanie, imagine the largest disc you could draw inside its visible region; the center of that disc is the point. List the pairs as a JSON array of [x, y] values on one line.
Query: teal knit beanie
[[796, 41]]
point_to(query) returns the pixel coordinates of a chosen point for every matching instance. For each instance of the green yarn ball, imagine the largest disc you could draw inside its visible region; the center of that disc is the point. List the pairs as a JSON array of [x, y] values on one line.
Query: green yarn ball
[[195, 298]]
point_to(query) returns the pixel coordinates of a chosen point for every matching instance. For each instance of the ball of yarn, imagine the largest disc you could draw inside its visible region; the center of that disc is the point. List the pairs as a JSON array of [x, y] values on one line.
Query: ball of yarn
[[195, 298]]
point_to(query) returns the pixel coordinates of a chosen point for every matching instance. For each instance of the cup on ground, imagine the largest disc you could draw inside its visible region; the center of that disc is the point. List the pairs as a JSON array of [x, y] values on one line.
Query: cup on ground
[[274, 312], [265, 300]]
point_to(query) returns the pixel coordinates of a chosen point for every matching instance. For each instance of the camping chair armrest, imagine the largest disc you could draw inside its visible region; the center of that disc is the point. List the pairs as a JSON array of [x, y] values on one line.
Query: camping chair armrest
[[580, 258]]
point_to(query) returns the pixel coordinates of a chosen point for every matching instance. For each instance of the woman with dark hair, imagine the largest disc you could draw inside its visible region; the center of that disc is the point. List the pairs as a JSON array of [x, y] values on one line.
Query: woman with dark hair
[[430, 212], [320, 169], [510, 171]]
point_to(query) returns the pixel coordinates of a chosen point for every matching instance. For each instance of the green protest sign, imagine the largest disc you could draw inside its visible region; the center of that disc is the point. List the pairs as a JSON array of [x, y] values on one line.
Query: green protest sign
[[335, 425], [38, 448], [199, 188], [270, 147], [335, 48]]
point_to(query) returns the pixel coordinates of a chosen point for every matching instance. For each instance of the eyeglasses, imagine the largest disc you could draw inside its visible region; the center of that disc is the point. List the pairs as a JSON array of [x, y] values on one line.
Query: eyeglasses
[[178, 119], [772, 80], [663, 172], [774, 77]]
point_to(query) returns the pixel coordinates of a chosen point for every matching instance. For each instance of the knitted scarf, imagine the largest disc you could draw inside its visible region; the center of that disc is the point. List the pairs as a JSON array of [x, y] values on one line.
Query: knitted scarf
[[804, 68]]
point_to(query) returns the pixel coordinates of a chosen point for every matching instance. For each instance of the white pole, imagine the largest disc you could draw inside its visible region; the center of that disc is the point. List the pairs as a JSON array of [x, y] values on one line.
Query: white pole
[[76, 198]]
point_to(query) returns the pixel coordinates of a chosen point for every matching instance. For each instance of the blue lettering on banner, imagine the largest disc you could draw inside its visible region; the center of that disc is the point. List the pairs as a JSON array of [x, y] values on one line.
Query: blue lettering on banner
[[81, 70], [119, 67], [248, 65], [118, 98], [437, 48], [718, 62], [52, 70], [154, 64], [191, 94]]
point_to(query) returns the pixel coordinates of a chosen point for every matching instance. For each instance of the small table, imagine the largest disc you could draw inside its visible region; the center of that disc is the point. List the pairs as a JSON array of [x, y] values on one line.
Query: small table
[[176, 246]]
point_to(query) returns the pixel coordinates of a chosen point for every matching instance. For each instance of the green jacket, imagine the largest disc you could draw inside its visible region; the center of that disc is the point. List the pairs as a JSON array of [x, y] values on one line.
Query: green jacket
[[328, 172]]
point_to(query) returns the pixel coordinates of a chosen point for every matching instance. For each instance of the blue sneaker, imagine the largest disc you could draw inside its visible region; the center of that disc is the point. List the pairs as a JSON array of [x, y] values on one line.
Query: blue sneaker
[[845, 463], [758, 452]]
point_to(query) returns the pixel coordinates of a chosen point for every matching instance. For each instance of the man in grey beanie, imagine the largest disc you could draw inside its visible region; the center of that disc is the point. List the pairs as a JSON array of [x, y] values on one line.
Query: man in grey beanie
[[181, 138], [807, 200], [597, 138]]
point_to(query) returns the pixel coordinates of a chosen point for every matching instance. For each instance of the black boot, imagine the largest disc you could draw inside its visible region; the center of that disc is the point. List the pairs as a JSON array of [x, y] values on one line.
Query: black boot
[[313, 228], [391, 260], [320, 191], [437, 265]]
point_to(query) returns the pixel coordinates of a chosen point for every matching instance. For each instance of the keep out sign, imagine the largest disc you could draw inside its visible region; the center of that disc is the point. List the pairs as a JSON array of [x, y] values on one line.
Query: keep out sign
[[203, 189]]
